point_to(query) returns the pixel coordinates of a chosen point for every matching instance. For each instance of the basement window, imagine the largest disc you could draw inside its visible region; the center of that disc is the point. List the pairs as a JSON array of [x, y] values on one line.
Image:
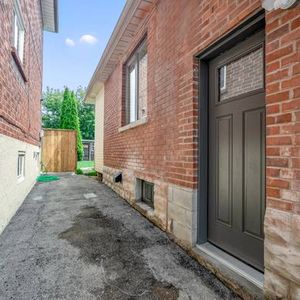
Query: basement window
[[148, 193], [21, 166], [136, 85], [145, 192]]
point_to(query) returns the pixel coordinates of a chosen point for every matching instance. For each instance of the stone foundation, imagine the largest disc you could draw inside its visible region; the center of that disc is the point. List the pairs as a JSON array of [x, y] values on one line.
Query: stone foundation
[[174, 206], [175, 211], [282, 255], [182, 214]]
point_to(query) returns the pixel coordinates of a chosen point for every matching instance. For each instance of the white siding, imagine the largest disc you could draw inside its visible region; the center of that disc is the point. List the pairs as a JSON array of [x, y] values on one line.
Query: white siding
[[99, 131], [13, 190]]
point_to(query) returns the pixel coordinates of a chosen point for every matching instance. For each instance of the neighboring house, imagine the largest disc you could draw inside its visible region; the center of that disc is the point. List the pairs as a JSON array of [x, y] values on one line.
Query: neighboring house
[[21, 65], [198, 109]]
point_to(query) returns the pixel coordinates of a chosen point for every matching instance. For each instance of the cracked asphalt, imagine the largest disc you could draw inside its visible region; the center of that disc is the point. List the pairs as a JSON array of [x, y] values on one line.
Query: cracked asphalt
[[77, 239]]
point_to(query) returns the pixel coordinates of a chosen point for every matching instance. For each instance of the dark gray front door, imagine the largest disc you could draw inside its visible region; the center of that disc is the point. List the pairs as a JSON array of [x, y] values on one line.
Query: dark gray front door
[[236, 201]]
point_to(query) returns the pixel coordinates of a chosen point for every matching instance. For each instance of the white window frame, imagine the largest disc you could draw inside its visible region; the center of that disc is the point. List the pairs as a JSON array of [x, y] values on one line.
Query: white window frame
[[21, 166], [133, 91], [132, 88], [19, 31]]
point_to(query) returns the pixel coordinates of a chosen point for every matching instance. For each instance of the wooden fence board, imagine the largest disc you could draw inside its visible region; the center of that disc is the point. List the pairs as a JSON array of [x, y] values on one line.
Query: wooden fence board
[[59, 150]]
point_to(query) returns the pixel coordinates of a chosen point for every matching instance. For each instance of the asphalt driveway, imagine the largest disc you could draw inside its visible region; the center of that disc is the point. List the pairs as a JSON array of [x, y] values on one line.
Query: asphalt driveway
[[77, 239]]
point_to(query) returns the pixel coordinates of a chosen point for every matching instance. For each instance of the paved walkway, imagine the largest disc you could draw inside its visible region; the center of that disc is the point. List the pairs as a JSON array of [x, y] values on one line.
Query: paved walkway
[[76, 239]]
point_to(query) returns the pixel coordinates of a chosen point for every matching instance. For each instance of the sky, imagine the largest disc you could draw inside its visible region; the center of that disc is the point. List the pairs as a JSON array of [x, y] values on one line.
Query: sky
[[85, 26]]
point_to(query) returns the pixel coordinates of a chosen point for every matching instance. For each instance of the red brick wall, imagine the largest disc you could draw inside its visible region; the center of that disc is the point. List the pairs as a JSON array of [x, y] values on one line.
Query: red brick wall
[[166, 147], [282, 220], [20, 100], [283, 109]]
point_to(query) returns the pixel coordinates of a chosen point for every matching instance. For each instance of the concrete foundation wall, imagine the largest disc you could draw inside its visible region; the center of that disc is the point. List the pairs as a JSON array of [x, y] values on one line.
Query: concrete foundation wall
[[182, 214], [13, 190]]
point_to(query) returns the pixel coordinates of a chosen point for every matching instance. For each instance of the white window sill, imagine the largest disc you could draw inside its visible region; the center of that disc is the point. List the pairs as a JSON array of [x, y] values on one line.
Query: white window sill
[[139, 122], [19, 63]]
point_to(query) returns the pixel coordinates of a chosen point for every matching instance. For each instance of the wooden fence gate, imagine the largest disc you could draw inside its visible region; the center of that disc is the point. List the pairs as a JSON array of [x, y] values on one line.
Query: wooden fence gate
[[59, 150]]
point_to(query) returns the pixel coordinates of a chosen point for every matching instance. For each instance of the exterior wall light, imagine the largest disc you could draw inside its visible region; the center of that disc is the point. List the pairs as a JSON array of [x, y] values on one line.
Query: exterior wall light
[[270, 5]]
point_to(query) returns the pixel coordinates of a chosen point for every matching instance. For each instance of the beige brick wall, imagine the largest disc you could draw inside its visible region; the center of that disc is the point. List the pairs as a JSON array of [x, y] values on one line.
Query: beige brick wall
[[12, 190], [99, 127]]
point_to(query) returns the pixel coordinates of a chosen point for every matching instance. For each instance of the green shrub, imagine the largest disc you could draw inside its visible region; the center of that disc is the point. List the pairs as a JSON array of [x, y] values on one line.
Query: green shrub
[[79, 172], [91, 173]]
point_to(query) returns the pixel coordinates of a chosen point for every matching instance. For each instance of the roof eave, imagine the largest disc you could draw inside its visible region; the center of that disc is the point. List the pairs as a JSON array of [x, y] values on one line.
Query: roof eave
[[106, 65], [50, 15]]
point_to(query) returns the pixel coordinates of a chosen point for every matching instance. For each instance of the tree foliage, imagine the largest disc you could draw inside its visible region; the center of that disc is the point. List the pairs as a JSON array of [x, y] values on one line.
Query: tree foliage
[[69, 118], [86, 115], [51, 108], [51, 111]]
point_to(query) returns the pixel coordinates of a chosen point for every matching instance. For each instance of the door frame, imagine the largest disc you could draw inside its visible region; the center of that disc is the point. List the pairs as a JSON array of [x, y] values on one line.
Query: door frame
[[254, 23]]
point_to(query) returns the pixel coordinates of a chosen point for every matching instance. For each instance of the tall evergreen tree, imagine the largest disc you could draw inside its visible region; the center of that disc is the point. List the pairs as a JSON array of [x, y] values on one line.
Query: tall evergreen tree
[[51, 111], [69, 118]]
